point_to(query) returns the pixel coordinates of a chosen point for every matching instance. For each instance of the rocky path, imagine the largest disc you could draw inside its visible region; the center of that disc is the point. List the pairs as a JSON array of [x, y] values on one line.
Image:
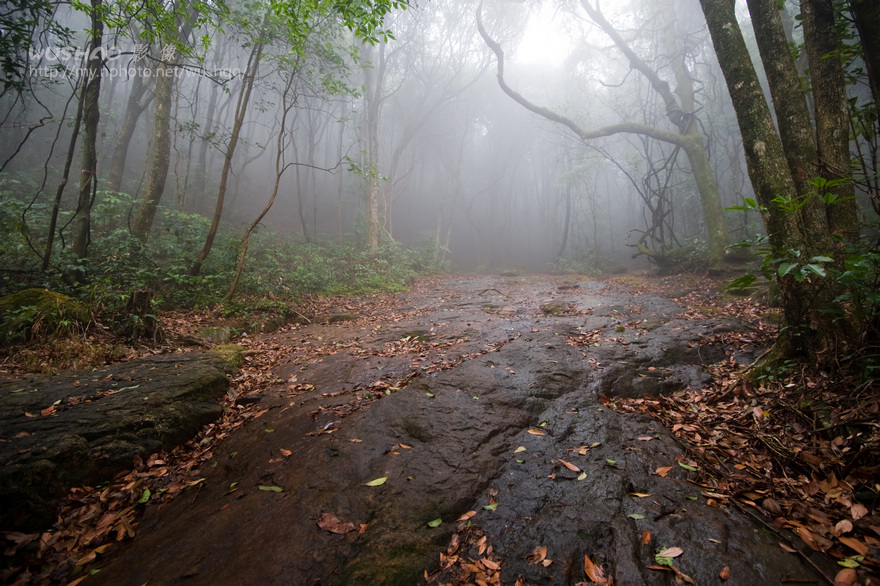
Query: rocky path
[[458, 436]]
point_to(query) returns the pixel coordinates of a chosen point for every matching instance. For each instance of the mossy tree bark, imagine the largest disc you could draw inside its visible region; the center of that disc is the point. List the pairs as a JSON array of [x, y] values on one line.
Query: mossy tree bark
[[82, 226], [779, 168]]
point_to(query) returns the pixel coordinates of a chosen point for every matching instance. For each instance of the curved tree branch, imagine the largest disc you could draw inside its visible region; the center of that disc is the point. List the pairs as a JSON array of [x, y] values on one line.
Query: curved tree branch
[[583, 134]]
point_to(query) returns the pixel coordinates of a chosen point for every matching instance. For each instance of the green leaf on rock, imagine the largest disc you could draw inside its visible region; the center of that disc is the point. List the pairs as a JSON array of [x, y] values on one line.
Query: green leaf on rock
[[377, 482], [271, 488], [435, 523]]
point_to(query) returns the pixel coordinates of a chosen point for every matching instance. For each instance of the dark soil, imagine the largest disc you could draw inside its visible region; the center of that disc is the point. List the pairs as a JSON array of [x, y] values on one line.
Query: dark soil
[[438, 393]]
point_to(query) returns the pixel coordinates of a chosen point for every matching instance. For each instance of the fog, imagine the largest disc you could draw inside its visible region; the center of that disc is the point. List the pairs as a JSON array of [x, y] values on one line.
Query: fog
[[410, 139]]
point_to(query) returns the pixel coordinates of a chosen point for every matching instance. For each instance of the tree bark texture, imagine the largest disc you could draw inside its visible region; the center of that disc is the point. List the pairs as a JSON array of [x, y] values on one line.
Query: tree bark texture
[[91, 116]]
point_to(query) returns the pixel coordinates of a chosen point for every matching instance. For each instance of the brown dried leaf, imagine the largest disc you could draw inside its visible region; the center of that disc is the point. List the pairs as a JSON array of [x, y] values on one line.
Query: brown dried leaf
[[594, 572], [646, 537], [538, 555], [286, 453], [808, 538], [858, 511], [671, 552], [724, 574], [467, 515], [331, 523], [663, 471], [844, 526], [846, 577], [570, 466], [855, 544], [494, 566]]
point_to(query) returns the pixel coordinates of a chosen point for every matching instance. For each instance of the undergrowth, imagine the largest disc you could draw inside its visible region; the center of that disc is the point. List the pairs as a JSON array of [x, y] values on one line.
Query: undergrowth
[[278, 273]]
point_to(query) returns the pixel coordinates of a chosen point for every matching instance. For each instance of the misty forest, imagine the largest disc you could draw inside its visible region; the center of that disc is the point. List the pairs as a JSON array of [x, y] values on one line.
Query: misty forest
[[440, 292]]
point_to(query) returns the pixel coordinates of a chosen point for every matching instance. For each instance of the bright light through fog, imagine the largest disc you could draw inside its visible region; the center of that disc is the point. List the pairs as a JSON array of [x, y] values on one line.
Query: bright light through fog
[[545, 40]]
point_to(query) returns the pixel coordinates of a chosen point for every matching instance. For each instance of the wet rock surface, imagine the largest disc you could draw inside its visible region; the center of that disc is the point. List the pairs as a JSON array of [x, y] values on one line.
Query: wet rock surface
[[437, 394], [83, 427]]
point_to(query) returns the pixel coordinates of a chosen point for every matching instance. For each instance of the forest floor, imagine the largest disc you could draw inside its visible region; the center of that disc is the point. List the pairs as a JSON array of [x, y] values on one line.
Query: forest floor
[[491, 430]]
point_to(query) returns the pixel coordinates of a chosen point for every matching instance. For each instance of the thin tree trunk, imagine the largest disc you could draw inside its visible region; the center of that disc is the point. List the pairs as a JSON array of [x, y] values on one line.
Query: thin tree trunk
[[65, 175], [138, 100], [279, 171], [244, 97], [91, 116], [160, 161]]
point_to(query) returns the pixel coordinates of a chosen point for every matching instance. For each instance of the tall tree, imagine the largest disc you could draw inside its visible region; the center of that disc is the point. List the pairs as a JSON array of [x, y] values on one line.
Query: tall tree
[[165, 74], [800, 222], [680, 111], [91, 116]]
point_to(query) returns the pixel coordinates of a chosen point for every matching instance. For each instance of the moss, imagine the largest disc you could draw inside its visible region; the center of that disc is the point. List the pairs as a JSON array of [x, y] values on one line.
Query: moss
[[401, 565], [232, 354], [552, 308], [40, 313]]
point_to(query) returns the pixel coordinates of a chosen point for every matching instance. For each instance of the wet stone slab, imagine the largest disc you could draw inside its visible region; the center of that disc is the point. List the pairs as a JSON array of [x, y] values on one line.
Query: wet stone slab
[[448, 443]]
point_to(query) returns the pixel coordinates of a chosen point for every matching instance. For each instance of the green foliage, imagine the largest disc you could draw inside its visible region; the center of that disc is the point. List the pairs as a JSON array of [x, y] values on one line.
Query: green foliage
[[278, 270]]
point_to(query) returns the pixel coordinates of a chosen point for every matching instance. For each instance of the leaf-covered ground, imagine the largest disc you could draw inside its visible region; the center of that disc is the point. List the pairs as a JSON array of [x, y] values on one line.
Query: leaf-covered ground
[[796, 452]]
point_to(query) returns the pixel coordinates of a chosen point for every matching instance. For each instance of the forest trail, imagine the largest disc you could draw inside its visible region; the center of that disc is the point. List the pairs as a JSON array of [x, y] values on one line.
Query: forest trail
[[459, 431]]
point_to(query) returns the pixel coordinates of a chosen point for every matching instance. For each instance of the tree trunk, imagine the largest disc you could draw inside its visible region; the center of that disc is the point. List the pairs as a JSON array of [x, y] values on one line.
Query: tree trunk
[[138, 100], [373, 79], [832, 115], [91, 116], [812, 333], [65, 175], [165, 74], [244, 97], [866, 14], [280, 167]]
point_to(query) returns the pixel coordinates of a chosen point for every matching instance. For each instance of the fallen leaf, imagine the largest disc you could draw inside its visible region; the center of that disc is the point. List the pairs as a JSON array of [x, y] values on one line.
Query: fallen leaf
[[724, 574], [494, 566], [582, 475], [858, 511], [435, 523], [519, 449], [855, 544], [846, 577], [663, 471], [538, 555], [535, 431], [570, 466], [377, 482], [808, 538], [286, 452], [271, 488], [671, 552], [687, 467], [645, 438], [467, 515], [331, 523], [787, 547], [594, 572], [646, 537], [844, 526], [491, 507], [640, 495], [635, 516], [405, 447], [355, 441]]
